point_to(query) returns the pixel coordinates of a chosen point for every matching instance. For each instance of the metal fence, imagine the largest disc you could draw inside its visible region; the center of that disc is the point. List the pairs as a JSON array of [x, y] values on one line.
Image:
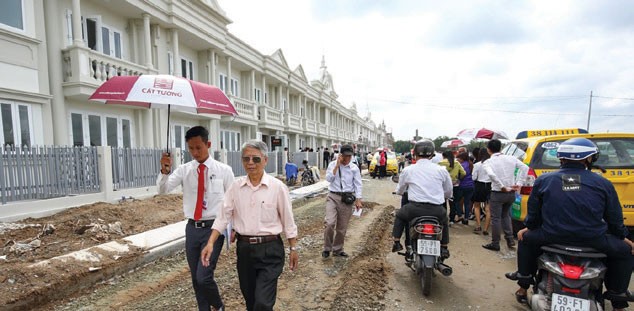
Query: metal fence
[[311, 157], [135, 167], [47, 172], [271, 166], [234, 159]]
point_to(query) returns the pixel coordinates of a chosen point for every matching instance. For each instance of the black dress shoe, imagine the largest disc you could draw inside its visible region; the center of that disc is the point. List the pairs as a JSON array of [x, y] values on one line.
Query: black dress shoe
[[340, 254], [492, 247], [397, 247], [512, 276], [325, 254], [510, 243]]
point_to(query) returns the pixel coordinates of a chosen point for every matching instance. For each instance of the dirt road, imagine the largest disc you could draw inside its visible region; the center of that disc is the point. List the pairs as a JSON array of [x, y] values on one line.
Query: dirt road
[[371, 279]]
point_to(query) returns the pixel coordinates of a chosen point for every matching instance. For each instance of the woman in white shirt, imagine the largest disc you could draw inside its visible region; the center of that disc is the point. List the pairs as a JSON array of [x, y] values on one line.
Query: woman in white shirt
[[482, 193]]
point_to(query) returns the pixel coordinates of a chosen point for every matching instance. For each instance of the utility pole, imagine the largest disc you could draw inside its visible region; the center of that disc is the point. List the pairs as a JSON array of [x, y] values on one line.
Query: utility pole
[[589, 112]]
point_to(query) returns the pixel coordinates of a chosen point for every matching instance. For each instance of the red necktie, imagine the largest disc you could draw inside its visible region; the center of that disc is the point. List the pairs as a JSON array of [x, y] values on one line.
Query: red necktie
[[198, 213]]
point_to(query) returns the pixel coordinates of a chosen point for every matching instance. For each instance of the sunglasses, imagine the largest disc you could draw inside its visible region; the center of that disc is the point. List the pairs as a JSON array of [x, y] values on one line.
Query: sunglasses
[[255, 159]]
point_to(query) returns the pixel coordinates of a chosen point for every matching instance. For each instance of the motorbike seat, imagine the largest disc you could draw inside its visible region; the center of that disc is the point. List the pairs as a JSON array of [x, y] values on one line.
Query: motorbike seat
[[575, 251]]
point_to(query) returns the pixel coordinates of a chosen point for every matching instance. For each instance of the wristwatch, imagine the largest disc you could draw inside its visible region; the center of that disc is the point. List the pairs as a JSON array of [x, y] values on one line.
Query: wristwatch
[[293, 248]]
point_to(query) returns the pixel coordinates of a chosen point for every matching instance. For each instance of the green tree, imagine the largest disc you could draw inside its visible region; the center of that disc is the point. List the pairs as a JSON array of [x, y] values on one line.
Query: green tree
[[402, 146], [439, 140]]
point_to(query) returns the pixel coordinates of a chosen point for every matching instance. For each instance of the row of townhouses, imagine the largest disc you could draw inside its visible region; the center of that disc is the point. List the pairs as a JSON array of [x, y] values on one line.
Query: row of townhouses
[[55, 53]]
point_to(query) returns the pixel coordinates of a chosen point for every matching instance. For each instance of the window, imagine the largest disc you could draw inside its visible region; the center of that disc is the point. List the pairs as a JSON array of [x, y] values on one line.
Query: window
[[179, 136], [99, 37], [222, 83], [94, 129], [89, 129], [12, 14], [230, 140], [258, 95], [15, 124], [234, 87], [111, 132], [187, 69], [266, 97]]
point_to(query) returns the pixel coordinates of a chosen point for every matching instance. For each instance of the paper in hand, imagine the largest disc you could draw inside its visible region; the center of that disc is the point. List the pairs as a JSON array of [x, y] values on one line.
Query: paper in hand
[[357, 212], [227, 235]]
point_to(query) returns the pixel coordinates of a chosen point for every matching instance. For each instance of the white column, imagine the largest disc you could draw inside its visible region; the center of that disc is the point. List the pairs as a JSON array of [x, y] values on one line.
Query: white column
[[135, 39], [229, 92], [77, 40], [263, 88], [147, 36], [213, 68], [177, 57], [252, 86]]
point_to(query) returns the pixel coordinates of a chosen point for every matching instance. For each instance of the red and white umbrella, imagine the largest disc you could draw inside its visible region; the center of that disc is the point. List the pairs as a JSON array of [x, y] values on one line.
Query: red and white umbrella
[[164, 91], [452, 143], [482, 133]]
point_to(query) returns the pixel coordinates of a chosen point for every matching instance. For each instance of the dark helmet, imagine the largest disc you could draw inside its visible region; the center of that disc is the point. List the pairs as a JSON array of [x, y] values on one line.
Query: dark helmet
[[424, 148], [578, 149]]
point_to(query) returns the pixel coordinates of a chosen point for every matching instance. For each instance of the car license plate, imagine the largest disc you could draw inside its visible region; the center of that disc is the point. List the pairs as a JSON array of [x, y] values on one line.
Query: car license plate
[[428, 247], [567, 303]]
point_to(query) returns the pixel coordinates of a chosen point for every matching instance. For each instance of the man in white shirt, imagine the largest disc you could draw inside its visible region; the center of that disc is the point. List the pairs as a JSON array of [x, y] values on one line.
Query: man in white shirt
[[204, 182], [428, 185], [507, 175], [345, 180]]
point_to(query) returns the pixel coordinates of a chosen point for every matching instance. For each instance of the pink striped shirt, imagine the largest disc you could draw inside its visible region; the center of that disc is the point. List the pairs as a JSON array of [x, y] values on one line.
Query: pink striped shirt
[[259, 210]]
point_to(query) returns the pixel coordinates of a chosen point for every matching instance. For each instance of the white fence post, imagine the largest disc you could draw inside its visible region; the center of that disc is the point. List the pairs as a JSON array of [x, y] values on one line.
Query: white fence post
[[104, 154]]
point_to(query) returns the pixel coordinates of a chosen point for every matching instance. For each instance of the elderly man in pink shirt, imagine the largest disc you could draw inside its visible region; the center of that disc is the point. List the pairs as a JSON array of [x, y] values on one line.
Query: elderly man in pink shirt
[[259, 207]]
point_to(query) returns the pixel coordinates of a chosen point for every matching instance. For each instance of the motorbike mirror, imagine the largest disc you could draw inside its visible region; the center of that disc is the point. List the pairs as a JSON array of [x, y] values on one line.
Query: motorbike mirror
[[395, 178]]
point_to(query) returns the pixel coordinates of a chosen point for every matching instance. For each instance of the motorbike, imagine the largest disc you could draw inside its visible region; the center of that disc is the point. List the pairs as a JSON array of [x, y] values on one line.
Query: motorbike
[[426, 257], [569, 278], [307, 177]]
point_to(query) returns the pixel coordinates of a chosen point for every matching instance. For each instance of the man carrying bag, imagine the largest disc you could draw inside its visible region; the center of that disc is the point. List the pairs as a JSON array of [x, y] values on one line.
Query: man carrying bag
[[344, 193]]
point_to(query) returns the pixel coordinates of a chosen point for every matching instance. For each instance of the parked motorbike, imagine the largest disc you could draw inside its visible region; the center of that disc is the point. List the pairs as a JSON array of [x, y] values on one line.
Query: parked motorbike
[[569, 278]]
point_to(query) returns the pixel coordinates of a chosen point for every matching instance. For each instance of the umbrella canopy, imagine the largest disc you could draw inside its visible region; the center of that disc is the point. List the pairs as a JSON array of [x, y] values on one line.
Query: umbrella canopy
[[482, 133], [452, 143], [164, 91]]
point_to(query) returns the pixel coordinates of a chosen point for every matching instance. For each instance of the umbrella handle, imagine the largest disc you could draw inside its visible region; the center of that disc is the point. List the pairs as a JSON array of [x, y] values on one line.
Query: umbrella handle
[[168, 128]]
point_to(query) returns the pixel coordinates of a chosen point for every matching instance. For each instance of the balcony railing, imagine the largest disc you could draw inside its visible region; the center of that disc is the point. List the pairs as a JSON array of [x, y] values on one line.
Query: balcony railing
[[293, 121], [310, 126], [333, 132], [85, 67], [323, 129], [245, 108], [270, 116]]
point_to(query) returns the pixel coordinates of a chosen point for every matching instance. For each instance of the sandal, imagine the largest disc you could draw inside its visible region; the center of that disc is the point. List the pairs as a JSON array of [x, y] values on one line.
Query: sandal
[[477, 230], [521, 298]]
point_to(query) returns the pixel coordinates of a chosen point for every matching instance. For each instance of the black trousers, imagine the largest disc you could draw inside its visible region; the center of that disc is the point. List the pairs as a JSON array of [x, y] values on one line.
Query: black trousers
[[382, 171], [259, 267], [412, 210], [205, 287], [619, 262]]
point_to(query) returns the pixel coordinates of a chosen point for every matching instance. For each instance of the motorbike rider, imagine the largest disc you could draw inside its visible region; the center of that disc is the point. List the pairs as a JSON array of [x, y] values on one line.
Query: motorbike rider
[[574, 206], [428, 185]]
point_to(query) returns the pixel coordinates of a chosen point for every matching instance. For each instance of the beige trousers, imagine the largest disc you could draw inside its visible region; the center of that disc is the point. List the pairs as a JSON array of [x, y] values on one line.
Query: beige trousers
[[336, 223]]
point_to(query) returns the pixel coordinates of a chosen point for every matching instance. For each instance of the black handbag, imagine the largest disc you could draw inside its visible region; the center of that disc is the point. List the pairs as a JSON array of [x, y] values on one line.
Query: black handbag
[[346, 197]]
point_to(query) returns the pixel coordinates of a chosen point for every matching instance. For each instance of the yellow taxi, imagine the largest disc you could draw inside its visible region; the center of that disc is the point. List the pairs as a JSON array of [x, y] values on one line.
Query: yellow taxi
[[616, 158], [391, 167]]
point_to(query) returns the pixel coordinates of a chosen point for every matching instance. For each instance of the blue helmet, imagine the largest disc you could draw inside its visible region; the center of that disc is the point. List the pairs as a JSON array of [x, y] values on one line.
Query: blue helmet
[[578, 149]]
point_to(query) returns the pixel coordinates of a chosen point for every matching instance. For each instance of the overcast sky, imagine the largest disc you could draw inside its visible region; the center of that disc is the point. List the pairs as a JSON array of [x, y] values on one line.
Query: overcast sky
[[442, 66]]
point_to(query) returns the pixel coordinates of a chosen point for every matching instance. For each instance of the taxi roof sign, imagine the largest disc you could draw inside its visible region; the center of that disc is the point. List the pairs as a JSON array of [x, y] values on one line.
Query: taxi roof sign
[[533, 133]]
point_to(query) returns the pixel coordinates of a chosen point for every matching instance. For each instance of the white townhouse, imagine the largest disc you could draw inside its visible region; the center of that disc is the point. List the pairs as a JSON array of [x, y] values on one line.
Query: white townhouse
[[55, 53]]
